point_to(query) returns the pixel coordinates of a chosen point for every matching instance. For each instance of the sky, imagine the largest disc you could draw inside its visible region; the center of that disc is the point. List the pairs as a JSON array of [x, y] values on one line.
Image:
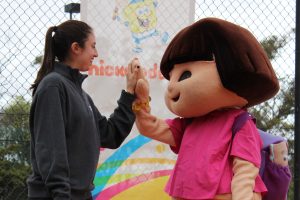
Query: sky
[[23, 28], [262, 18]]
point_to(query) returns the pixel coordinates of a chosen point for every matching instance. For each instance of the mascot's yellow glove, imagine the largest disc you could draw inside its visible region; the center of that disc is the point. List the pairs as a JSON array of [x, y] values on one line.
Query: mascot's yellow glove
[[142, 94], [149, 125]]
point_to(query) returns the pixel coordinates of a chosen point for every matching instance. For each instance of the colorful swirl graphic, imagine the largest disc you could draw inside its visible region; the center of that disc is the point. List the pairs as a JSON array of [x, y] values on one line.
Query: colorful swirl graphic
[[127, 175]]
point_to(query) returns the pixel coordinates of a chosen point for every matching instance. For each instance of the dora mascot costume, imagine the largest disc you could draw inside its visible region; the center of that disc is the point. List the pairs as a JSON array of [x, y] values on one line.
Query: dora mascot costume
[[216, 70]]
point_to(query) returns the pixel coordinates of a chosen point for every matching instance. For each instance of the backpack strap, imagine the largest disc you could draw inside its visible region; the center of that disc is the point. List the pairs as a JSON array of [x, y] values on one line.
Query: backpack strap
[[240, 121], [267, 138]]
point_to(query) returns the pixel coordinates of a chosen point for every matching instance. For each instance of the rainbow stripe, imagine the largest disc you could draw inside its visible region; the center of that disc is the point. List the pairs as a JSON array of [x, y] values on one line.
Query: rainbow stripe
[[117, 159], [117, 188], [105, 174]]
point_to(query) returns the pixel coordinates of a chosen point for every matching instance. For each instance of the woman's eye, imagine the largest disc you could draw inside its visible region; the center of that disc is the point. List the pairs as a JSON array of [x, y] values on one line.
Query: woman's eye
[[185, 75]]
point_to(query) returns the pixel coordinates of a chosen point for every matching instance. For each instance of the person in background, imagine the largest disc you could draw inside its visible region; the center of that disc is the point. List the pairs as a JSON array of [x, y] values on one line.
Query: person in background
[[67, 130]]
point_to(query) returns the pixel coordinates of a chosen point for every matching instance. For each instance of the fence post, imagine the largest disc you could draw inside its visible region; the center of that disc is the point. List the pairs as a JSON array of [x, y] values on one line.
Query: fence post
[[297, 107]]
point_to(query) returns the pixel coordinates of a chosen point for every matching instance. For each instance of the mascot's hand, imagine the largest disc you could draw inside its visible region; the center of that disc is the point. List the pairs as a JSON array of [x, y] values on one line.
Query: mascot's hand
[[142, 94], [148, 124]]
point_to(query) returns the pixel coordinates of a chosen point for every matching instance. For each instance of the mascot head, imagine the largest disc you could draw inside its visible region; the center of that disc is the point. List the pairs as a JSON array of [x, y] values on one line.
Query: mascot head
[[214, 64]]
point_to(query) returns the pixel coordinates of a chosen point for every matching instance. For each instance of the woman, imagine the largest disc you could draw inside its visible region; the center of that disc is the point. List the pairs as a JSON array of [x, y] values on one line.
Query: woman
[[66, 128]]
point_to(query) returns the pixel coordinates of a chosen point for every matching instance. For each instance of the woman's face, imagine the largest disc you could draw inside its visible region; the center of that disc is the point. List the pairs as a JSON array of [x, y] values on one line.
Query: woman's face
[[195, 89], [87, 53]]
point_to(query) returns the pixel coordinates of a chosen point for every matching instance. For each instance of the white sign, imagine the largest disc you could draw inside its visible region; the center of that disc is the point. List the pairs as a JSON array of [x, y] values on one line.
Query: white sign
[[126, 29]]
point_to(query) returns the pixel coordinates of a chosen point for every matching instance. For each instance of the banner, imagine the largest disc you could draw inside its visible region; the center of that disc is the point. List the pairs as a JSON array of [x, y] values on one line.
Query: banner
[[126, 29]]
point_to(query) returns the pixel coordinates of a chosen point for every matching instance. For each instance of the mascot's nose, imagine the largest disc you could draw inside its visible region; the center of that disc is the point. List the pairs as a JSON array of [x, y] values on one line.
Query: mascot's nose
[[172, 91], [170, 88]]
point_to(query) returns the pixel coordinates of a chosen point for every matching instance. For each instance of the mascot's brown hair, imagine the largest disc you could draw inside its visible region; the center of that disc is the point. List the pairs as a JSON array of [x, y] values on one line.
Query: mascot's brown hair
[[243, 66], [216, 70]]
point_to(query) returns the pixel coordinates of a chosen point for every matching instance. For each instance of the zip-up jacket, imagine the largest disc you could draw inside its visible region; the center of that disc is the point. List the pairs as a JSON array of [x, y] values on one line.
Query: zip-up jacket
[[67, 131]]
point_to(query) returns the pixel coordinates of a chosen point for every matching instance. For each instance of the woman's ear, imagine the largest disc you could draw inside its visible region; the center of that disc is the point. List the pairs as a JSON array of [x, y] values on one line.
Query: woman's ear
[[75, 48]]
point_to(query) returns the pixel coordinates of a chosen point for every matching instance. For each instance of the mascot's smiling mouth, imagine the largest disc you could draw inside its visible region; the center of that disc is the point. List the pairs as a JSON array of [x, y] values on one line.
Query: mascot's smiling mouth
[[175, 99], [143, 22]]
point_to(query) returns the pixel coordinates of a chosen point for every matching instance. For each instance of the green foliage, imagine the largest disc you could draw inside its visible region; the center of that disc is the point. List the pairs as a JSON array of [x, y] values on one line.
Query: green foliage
[[12, 174], [38, 60], [273, 44], [16, 113], [14, 150], [277, 115], [14, 128]]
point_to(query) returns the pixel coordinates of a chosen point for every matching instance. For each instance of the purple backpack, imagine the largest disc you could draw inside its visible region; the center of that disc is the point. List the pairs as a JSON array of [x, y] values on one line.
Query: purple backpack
[[276, 178]]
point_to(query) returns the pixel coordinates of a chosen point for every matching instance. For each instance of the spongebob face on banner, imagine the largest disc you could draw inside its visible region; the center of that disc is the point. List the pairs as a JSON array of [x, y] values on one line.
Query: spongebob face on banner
[[141, 16], [141, 19]]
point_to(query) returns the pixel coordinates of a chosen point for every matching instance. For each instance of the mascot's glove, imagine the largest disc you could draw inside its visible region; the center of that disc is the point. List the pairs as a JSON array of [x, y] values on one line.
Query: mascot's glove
[[142, 94], [147, 124]]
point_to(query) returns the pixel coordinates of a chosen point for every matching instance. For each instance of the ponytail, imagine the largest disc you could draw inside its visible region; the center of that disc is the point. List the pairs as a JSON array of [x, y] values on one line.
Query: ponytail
[[48, 59], [58, 45]]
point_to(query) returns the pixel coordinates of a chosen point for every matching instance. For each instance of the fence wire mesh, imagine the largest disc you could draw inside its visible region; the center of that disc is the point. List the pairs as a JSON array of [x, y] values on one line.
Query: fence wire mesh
[[23, 28]]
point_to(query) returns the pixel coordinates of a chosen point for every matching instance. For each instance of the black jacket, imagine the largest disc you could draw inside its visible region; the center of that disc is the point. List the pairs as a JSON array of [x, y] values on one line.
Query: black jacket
[[67, 131]]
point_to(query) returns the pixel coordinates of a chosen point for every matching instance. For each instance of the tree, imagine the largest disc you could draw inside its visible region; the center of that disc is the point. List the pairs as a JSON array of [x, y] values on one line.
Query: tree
[[14, 150], [277, 115], [12, 174], [38, 60], [273, 44], [14, 128]]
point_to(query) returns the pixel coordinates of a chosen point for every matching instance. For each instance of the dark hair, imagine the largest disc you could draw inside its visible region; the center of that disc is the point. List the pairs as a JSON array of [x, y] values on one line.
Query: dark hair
[[57, 45]]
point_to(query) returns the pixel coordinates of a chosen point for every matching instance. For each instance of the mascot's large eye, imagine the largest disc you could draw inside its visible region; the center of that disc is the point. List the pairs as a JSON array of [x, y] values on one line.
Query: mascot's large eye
[[185, 75]]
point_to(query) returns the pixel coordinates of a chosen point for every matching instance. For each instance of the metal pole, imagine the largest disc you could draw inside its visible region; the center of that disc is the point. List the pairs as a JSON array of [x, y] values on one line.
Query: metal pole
[[297, 107], [70, 15]]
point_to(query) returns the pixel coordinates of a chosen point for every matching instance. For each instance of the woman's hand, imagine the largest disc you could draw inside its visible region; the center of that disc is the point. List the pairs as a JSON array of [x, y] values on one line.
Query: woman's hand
[[132, 75]]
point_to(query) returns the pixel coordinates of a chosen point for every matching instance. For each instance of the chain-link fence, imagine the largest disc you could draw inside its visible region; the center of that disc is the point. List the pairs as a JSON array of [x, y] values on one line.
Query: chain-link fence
[[23, 28]]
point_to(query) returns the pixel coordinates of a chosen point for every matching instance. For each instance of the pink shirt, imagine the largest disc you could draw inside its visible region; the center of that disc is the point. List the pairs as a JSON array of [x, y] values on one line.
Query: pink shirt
[[204, 164]]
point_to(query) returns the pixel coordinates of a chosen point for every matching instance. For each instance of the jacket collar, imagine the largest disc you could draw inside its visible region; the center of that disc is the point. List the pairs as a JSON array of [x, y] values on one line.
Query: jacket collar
[[70, 73]]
